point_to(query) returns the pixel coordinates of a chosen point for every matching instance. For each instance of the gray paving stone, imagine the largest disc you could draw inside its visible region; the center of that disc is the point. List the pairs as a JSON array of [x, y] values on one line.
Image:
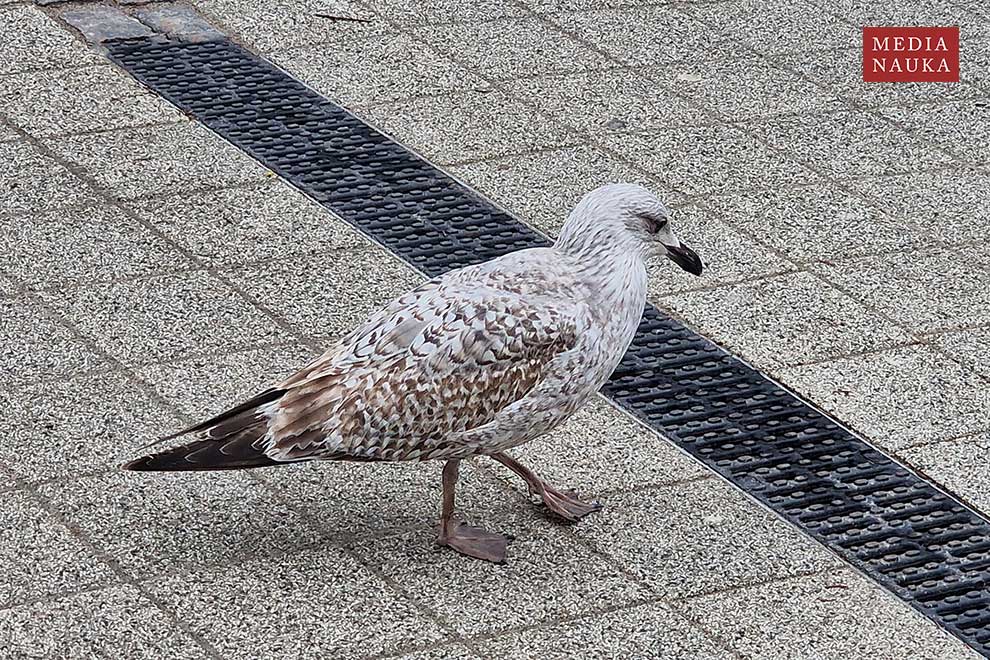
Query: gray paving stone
[[614, 100], [974, 58], [849, 144], [948, 287], [455, 652], [542, 188], [915, 12], [8, 133], [468, 126], [179, 21], [71, 426], [356, 502], [645, 631], [57, 102], [897, 398], [950, 204], [744, 88], [786, 320], [842, 71], [728, 255], [32, 181], [510, 48], [8, 287], [310, 604], [249, 224], [629, 35], [709, 160], [678, 541], [963, 127], [775, 28], [159, 160], [548, 574], [817, 223], [40, 557], [88, 244], [836, 615], [413, 12], [327, 296], [380, 69], [162, 523], [203, 386], [269, 26], [99, 23], [971, 347], [960, 466], [601, 449], [33, 347], [115, 622], [161, 318], [34, 41]]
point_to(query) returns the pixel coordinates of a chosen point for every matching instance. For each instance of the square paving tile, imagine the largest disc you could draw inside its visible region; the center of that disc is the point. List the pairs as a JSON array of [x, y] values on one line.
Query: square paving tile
[[64, 428], [158, 160], [897, 398], [709, 160], [31, 181], [34, 347], [842, 71], [203, 386], [165, 522], [614, 100], [644, 631], [971, 347], [7, 133], [380, 69], [73, 100], [960, 466], [962, 127], [453, 652], [818, 223], [915, 12], [630, 35], [34, 41], [355, 502], [327, 296], [849, 144], [951, 205], [41, 557], [676, 541], [727, 254], [599, 450], [414, 12], [308, 604], [80, 245], [543, 188], [251, 224], [510, 48], [271, 26], [117, 622], [947, 287], [161, 318], [548, 574], [786, 320], [744, 88], [469, 126], [836, 615], [774, 28]]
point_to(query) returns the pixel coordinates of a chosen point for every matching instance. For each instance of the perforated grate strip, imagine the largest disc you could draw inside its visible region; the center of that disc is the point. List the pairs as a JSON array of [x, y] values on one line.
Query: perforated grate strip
[[924, 546]]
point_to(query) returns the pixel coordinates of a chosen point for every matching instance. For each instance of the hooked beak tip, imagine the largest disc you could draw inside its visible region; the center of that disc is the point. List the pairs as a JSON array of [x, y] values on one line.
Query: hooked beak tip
[[686, 258]]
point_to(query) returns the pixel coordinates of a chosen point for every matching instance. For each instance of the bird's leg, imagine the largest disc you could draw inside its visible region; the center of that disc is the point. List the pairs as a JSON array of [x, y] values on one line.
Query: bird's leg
[[467, 540], [565, 505]]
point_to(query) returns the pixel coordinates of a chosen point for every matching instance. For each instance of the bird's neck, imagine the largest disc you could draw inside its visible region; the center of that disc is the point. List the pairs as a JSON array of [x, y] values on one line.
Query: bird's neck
[[614, 273]]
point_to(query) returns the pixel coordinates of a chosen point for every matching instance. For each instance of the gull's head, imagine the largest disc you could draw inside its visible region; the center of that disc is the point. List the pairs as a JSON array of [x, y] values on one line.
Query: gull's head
[[627, 217]]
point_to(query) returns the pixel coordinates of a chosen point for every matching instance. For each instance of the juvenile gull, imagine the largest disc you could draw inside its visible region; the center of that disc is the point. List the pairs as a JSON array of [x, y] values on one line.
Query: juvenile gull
[[477, 361]]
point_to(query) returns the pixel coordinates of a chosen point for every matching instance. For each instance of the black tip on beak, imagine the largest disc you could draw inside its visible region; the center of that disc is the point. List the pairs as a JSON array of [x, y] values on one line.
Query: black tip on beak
[[685, 257]]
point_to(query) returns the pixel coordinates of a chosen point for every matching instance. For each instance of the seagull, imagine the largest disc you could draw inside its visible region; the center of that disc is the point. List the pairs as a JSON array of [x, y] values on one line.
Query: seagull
[[474, 362]]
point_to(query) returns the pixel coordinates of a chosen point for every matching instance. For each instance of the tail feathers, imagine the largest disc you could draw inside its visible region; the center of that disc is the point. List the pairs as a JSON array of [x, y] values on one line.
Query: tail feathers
[[231, 442], [235, 453]]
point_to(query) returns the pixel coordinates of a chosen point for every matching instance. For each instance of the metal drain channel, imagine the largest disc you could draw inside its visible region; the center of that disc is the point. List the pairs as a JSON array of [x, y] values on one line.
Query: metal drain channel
[[926, 547]]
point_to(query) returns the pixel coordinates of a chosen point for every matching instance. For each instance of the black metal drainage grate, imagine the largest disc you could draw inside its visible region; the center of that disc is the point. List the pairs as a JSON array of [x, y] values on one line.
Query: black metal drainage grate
[[924, 546]]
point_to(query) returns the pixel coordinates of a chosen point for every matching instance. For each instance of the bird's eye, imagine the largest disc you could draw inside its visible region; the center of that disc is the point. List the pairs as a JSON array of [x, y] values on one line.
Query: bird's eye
[[655, 226]]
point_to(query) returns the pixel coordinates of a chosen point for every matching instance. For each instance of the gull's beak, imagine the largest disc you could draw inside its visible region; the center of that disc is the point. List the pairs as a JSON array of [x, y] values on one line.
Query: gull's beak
[[684, 257]]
